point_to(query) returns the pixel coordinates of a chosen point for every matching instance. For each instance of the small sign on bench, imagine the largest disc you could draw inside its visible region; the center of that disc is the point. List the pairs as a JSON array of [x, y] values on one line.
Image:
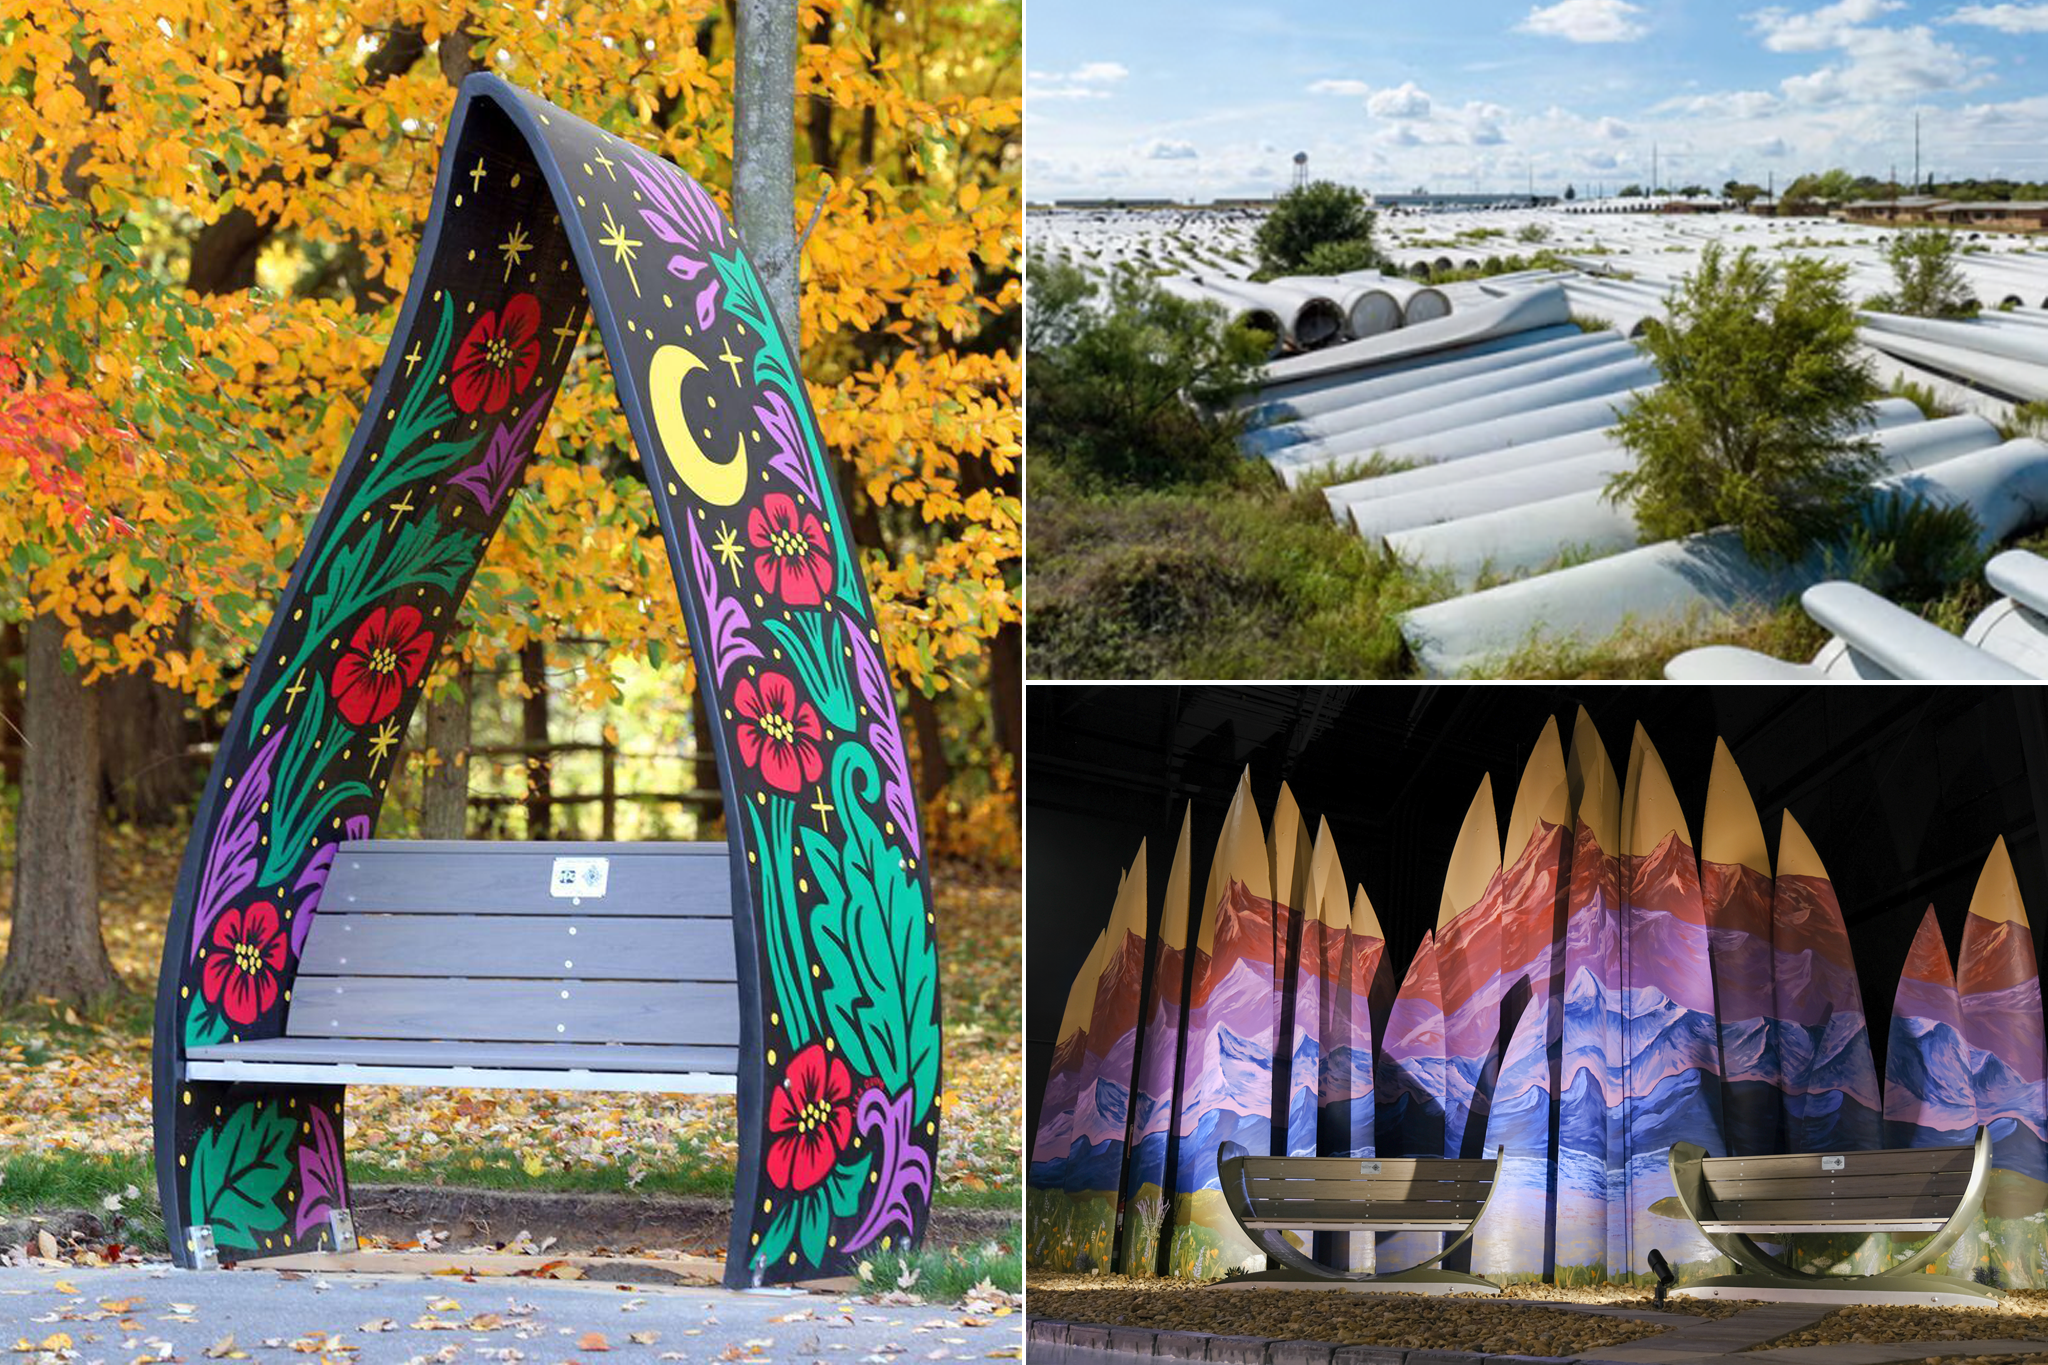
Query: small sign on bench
[[580, 878]]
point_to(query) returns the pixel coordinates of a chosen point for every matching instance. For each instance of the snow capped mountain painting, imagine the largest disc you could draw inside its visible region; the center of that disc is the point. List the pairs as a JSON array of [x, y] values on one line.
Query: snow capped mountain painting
[[1930, 1097], [1830, 1086], [1155, 1099], [1589, 1147], [1735, 886]]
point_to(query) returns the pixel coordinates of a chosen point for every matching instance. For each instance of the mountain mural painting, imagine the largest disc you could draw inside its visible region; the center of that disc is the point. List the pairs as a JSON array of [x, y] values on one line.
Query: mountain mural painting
[[1596, 987]]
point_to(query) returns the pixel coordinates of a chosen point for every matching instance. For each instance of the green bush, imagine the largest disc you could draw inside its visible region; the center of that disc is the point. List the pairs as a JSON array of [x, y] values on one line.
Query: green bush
[[1760, 422], [1323, 213], [1130, 384], [1913, 550], [2027, 420], [1341, 258], [1927, 281]]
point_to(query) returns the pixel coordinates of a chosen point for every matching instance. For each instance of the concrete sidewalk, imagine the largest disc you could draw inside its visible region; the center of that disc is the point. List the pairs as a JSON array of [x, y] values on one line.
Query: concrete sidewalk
[[76, 1314]]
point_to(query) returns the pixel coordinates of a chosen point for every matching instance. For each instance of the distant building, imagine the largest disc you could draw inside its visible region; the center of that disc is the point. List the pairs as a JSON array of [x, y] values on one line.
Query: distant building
[[1912, 208], [2009, 216], [1116, 204]]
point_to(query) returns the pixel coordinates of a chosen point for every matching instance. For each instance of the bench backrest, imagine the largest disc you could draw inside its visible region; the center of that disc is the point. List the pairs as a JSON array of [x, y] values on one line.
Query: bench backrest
[[1896, 1186], [1294, 1192], [458, 940]]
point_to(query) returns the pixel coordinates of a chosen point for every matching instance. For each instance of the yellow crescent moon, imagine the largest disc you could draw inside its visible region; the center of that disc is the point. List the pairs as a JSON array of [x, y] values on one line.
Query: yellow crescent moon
[[721, 483]]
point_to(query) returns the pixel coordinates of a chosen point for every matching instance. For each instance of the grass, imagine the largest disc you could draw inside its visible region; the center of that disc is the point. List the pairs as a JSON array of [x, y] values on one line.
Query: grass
[[84, 1180], [946, 1275], [1246, 580], [1641, 651]]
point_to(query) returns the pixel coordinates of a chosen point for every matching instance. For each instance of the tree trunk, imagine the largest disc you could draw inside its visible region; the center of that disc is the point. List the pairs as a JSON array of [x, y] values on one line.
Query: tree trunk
[[145, 744], [1006, 686], [533, 730], [934, 770], [10, 704], [764, 148], [704, 771], [444, 790], [55, 948]]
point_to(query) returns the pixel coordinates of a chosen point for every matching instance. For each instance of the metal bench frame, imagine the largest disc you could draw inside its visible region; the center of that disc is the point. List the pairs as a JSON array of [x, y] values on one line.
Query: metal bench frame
[[1764, 1276], [541, 224], [1286, 1265]]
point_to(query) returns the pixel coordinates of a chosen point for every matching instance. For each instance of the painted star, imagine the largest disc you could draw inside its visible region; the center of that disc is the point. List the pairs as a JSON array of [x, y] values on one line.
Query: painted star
[[622, 247], [727, 548], [383, 742], [515, 245]]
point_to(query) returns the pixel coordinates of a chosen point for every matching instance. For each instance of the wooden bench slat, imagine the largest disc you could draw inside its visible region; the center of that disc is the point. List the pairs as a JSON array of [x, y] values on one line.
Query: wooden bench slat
[[442, 877], [1891, 1208], [1289, 1212], [486, 1010], [545, 947], [1366, 1187], [1420, 1169], [524, 1056], [1895, 1161], [1838, 1185], [1355, 1224]]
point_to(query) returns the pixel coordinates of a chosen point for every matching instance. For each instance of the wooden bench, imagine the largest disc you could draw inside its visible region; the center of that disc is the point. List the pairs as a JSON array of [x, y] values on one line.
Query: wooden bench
[[559, 966], [1911, 1190], [1272, 1195]]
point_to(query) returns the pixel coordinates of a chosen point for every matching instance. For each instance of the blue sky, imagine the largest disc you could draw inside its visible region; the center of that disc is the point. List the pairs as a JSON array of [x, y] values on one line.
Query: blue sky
[[1203, 98]]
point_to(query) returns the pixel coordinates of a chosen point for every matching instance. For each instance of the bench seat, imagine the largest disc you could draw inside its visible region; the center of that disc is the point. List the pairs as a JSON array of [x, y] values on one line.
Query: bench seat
[[558, 966], [1915, 1191], [1272, 1195]]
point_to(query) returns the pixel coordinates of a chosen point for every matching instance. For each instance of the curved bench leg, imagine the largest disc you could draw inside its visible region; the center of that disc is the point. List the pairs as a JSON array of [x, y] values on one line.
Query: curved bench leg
[[1764, 1276], [838, 1041], [260, 1171]]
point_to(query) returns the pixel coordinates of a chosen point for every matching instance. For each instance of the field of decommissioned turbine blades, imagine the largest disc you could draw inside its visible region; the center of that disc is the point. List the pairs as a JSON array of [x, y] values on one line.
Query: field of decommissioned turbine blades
[[1498, 396]]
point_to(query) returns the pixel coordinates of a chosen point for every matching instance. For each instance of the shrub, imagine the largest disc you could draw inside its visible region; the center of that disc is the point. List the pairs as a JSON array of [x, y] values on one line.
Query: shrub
[[1533, 232], [1928, 283], [1914, 550], [1341, 258], [2027, 420], [1313, 215], [1760, 420], [1130, 384]]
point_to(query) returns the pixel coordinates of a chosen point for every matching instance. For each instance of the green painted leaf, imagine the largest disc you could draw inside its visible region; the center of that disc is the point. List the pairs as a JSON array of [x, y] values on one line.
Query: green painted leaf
[[873, 942], [204, 1025], [789, 961], [238, 1171], [813, 649], [814, 1221], [846, 1184]]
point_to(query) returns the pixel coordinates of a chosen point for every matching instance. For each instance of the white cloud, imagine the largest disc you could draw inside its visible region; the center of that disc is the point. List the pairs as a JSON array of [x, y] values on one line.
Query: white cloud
[[1088, 81], [2004, 18], [1612, 129], [1164, 149], [1771, 146], [1400, 135], [1877, 63], [1735, 104], [1404, 101], [1354, 89], [1485, 133], [1586, 21]]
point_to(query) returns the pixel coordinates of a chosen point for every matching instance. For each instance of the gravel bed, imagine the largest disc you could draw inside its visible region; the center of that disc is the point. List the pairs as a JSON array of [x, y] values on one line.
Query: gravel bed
[[1408, 1321], [2023, 1316]]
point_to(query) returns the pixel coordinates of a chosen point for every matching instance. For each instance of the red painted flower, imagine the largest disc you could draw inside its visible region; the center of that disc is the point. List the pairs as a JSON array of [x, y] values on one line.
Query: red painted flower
[[795, 566], [243, 964], [387, 655], [498, 357], [779, 732], [810, 1119]]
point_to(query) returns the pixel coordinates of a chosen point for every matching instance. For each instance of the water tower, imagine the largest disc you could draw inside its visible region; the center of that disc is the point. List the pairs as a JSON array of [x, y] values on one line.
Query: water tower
[[1300, 169]]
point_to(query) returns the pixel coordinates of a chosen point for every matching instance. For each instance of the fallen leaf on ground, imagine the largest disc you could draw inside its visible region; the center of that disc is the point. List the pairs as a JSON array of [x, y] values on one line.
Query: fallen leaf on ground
[[592, 1341], [221, 1349]]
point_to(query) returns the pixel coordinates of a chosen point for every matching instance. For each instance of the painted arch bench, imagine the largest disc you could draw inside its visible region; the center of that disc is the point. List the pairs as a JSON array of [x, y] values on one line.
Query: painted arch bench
[[792, 965], [1932, 1192], [1273, 1195]]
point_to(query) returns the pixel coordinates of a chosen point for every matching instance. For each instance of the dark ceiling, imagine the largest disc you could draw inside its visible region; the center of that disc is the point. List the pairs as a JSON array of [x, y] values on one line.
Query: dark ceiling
[[1902, 789]]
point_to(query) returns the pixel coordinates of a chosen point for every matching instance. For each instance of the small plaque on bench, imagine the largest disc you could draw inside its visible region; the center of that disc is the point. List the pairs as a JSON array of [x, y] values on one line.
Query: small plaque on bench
[[580, 878], [1368, 1168], [1832, 1163]]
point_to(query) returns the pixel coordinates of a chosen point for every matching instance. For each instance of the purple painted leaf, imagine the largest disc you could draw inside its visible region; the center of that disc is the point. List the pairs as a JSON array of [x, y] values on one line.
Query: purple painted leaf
[[491, 480], [235, 853], [790, 459], [686, 267], [323, 1176], [729, 642], [905, 1167], [707, 305], [885, 735], [677, 210], [313, 881]]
